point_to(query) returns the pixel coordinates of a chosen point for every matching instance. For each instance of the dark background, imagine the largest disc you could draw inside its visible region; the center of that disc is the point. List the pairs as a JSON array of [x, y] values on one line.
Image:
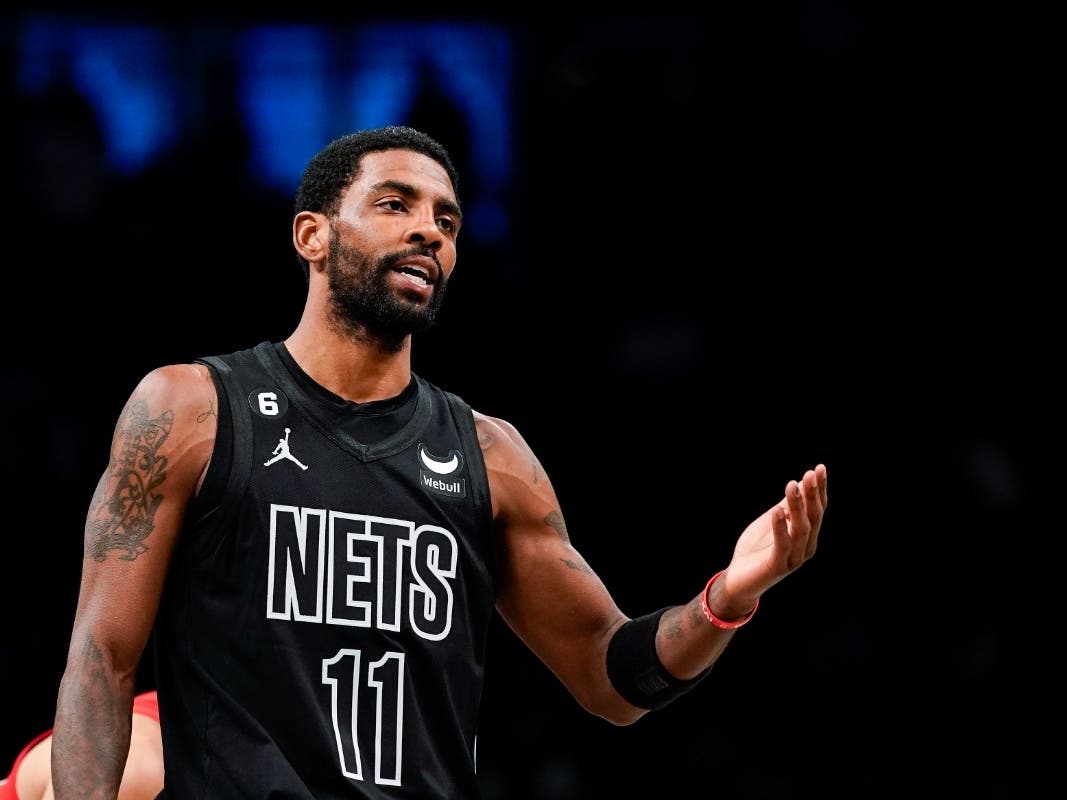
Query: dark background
[[742, 240]]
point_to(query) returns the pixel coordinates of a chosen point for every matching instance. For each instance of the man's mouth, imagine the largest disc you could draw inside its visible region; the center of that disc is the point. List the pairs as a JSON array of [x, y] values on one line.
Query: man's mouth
[[415, 274], [419, 270]]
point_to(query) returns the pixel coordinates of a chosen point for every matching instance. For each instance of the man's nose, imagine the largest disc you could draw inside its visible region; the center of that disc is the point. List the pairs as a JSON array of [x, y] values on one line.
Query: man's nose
[[426, 231]]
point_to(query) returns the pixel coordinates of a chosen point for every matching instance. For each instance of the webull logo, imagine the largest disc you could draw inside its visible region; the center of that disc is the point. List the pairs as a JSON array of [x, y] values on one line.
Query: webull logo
[[440, 474]]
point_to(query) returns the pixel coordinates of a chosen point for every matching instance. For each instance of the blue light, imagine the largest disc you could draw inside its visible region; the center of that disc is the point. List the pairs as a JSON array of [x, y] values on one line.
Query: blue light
[[285, 96], [297, 87], [126, 73]]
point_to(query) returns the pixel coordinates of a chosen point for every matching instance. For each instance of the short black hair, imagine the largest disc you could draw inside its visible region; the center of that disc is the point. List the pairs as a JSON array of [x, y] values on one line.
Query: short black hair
[[333, 169]]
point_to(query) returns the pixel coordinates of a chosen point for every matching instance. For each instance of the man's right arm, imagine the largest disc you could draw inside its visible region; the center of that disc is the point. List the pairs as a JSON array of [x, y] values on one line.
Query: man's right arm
[[159, 453]]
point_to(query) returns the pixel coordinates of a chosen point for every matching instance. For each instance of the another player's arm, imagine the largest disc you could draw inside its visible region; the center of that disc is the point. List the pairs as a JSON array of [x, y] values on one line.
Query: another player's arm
[[159, 453]]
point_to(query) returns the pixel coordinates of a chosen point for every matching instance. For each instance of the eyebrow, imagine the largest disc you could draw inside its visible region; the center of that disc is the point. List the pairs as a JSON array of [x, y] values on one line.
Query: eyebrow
[[411, 193]]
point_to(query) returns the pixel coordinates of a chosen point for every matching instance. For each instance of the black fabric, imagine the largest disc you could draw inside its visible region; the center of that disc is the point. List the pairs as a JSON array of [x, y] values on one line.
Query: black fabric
[[364, 422], [209, 499], [635, 669], [323, 633]]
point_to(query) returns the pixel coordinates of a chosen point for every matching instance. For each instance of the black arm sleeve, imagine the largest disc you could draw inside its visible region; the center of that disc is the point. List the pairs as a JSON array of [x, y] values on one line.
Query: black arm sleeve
[[635, 669]]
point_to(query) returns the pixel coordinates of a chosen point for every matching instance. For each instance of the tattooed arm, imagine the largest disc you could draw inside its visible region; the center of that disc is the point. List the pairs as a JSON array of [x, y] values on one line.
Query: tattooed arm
[[159, 454], [552, 599]]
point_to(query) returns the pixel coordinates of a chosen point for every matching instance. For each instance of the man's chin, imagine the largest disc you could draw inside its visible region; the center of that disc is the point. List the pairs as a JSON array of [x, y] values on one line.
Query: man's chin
[[410, 318]]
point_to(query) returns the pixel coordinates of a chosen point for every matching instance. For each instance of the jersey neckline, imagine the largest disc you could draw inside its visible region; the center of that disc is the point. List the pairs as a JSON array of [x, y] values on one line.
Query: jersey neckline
[[312, 409]]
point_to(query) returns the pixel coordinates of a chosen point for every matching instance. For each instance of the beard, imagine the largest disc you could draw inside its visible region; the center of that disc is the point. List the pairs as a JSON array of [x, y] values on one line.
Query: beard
[[364, 305]]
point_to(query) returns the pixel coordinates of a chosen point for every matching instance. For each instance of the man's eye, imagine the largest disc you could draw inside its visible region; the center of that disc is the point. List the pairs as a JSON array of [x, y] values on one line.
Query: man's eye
[[393, 205], [447, 223]]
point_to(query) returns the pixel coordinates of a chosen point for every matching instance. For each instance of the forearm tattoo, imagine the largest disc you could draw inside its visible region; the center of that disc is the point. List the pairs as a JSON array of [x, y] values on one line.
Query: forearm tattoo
[[93, 734], [671, 626], [123, 509]]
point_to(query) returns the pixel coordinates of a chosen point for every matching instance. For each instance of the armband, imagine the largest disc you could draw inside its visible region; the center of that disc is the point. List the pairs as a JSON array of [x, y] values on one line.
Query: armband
[[722, 624], [634, 667]]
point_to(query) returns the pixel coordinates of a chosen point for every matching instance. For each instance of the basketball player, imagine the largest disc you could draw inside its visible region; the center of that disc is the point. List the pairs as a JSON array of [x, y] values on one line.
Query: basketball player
[[318, 538]]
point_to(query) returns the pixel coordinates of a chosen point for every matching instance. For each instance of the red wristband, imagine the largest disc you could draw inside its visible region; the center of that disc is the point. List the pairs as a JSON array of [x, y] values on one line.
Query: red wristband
[[721, 623]]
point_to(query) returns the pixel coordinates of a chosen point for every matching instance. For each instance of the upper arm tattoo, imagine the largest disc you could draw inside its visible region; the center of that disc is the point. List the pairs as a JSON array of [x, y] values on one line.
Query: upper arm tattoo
[[206, 415], [487, 441], [578, 566], [537, 470], [124, 505], [554, 520]]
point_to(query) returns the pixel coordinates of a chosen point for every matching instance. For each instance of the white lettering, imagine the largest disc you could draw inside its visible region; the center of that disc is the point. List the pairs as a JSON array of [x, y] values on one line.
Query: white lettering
[[352, 570]]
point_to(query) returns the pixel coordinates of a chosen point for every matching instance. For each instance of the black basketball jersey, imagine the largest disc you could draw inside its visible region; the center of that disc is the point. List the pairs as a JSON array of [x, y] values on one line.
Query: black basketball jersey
[[323, 627]]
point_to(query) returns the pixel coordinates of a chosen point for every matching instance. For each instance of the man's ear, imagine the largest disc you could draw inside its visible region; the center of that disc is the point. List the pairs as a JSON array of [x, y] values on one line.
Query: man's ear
[[311, 236]]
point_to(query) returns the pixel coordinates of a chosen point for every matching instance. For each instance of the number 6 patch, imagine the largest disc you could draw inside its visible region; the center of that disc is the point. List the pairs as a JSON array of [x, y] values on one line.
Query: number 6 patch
[[269, 403]]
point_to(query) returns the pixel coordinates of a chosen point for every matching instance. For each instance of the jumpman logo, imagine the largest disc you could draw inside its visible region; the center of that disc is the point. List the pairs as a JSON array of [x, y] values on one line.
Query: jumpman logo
[[282, 451]]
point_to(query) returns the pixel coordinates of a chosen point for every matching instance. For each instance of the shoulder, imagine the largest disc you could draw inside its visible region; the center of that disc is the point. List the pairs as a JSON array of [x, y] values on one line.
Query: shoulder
[[173, 410], [173, 395], [175, 386], [517, 481], [499, 440]]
